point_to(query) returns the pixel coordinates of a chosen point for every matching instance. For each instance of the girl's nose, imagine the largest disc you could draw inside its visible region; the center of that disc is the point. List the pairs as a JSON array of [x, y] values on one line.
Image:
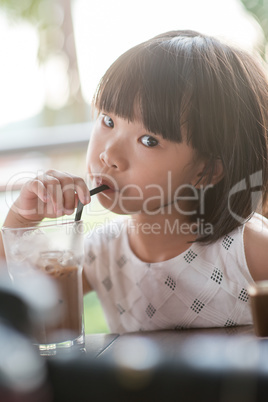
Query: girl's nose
[[115, 160]]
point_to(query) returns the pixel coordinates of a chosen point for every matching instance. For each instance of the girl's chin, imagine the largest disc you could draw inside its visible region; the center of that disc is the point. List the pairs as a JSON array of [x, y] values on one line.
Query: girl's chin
[[116, 207], [110, 200]]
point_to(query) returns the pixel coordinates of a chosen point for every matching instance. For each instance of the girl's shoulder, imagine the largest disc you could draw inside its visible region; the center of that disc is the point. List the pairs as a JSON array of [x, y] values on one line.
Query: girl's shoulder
[[256, 247]]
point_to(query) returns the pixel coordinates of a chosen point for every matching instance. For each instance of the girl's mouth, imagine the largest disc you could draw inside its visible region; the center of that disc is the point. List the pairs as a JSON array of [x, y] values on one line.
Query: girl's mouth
[[98, 189], [104, 182]]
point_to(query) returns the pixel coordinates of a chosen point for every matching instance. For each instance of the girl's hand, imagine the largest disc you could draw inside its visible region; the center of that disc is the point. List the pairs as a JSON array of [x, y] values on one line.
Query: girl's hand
[[50, 195]]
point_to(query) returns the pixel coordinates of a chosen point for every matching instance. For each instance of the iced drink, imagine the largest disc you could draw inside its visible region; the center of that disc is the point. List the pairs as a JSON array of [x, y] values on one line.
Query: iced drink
[[55, 249], [259, 306], [66, 273]]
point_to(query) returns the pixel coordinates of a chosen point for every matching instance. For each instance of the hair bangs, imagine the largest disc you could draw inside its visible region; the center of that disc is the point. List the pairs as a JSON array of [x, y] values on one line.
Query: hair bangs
[[141, 85]]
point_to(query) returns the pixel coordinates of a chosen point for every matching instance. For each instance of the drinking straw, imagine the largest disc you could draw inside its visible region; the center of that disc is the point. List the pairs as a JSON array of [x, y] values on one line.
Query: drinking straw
[[80, 206]]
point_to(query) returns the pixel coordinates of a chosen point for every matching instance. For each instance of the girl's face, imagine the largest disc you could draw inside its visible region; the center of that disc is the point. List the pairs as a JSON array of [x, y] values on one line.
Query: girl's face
[[143, 170]]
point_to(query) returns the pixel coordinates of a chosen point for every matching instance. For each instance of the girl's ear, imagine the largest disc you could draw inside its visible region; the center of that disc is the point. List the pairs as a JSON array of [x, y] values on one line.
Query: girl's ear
[[211, 173]]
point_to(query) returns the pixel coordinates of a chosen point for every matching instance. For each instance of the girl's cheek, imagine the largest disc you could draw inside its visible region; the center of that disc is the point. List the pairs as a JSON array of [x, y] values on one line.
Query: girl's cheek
[[91, 151], [93, 147], [88, 162]]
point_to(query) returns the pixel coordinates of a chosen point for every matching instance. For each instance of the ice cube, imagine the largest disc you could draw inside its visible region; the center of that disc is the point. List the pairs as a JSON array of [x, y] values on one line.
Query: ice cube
[[66, 259]]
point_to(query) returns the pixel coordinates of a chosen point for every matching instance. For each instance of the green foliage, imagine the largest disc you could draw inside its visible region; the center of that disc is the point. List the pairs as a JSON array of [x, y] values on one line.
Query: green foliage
[[93, 315], [259, 10], [30, 10], [46, 15]]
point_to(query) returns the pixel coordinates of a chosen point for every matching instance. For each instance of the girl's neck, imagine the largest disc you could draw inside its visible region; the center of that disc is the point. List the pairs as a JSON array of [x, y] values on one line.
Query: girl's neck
[[160, 238]]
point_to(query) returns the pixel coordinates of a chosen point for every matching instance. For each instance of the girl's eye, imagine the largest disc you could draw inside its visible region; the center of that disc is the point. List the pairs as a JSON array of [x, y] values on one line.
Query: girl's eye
[[108, 121], [149, 141]]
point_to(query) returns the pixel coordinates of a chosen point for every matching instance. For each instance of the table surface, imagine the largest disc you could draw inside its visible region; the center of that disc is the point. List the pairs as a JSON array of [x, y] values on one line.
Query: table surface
[[205, 365], [97, 344], [172, 344], [168, 341]]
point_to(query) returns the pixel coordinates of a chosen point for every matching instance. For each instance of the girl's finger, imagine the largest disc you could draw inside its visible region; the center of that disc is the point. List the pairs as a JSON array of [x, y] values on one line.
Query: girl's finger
[[82, 190], [35, 188], [71, 183], [68, 189], [54, 194]]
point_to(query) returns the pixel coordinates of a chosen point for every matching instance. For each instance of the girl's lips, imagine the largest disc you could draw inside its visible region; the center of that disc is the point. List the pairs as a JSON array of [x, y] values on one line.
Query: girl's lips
[[100, 182]]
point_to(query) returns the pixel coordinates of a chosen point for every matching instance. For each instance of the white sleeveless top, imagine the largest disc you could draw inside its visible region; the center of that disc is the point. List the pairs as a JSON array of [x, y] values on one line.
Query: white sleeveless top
[[205, 286]]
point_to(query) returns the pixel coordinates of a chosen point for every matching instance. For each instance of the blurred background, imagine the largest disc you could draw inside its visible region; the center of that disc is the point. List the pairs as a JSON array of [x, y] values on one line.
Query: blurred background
[[54, 52]]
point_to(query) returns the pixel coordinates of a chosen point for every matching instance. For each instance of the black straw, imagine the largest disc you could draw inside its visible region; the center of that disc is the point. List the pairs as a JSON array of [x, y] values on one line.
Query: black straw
[[91, 192]]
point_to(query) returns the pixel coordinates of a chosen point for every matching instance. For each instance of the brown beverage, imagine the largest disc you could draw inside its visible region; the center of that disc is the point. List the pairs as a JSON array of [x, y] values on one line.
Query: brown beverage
[[259, 305], [66, 273]]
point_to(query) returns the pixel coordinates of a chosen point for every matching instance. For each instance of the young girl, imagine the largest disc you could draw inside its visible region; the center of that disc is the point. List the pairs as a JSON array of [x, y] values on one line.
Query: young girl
[[181, 142]]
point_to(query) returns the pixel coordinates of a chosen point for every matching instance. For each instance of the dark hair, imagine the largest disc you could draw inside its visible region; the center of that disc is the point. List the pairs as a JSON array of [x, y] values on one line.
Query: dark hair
[[184, 78]]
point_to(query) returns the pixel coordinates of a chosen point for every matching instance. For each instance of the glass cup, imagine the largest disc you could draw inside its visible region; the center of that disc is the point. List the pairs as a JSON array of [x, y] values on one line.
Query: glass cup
[[55, 249], [259, 307]]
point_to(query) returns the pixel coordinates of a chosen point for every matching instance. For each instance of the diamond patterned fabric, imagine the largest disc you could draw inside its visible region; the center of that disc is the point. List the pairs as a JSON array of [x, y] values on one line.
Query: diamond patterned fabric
[[206, 286]]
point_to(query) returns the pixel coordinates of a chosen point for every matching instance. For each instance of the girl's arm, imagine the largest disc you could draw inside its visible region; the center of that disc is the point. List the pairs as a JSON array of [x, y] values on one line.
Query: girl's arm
[[50, 195], [256, 250]]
